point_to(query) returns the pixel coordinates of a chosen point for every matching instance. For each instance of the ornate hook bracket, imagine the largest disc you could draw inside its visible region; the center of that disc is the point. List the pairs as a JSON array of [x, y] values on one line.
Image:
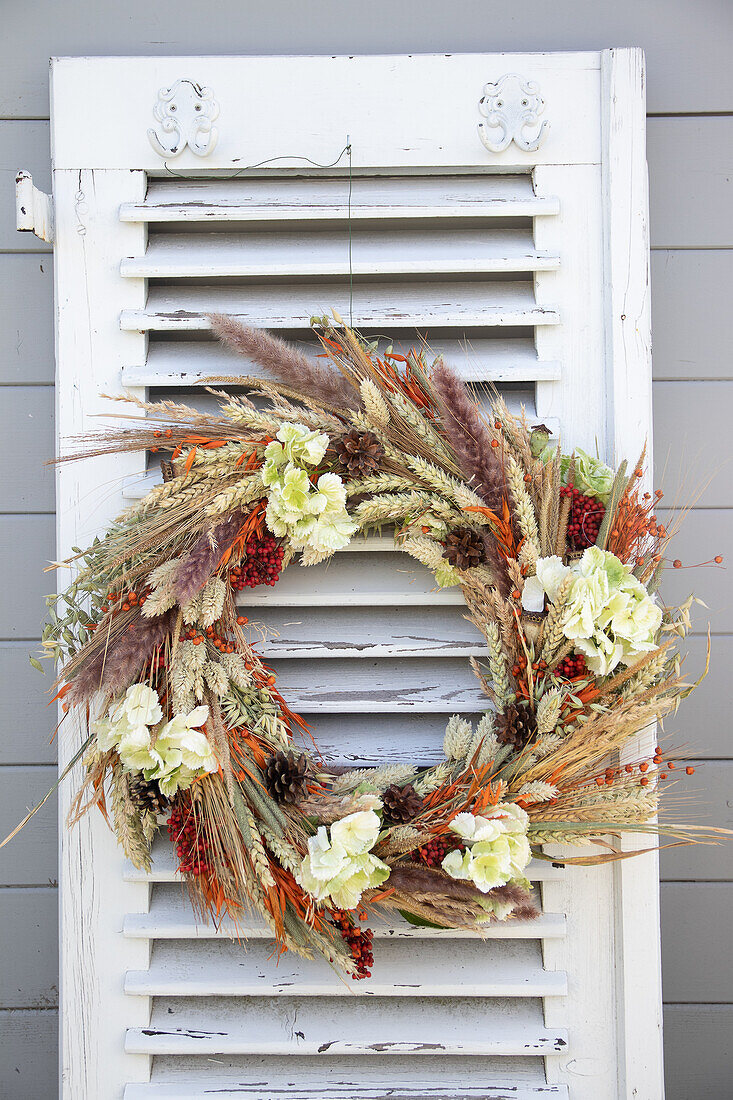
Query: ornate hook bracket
[[186, 114], [511, 108]]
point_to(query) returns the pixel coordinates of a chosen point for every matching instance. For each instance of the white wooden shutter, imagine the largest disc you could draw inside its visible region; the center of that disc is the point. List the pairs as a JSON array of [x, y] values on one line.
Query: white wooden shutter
[[528, 267]]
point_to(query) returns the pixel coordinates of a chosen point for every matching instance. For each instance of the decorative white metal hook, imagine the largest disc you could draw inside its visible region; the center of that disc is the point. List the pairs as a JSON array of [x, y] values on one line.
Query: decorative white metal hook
[[186, 114], [511, 108]]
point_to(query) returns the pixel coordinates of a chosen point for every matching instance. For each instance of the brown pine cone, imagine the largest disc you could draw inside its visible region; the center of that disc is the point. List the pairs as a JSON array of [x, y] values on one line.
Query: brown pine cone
[[400, 804], [285, 776], [464, 548], [516, 726], [146, 795], [359, 452]]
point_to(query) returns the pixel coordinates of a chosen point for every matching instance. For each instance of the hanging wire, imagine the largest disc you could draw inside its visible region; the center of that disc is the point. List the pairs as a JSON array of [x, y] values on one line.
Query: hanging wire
[[346, 151]]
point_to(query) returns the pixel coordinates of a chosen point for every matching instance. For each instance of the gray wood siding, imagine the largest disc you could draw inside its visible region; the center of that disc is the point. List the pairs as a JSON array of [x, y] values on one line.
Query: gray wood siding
[[690, 100]]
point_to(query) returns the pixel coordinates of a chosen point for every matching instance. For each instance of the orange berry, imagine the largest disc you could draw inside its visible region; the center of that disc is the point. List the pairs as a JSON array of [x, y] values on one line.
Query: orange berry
[[677, 564], [671, 765], [599, 780], [690, 771], [644, 781], [516, 594], [628, 769], [241, 620], [168, 433], [644, 766], [125, 607], [494, 442], [718, 559], [197, 640], [662, 775]]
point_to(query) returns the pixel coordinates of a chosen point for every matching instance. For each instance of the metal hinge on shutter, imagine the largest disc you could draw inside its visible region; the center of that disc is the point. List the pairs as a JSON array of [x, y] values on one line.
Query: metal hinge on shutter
[[33, 208]]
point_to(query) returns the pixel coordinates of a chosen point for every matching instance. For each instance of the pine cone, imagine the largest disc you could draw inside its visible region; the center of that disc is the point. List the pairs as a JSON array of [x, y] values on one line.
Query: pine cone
[[516, 726], [464, 548], [359, 452], [146, 795], [285, 776], [400, 804]]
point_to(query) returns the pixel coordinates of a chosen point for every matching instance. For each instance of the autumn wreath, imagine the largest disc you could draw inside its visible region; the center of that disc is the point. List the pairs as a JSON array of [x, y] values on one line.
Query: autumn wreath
[[558, 558]]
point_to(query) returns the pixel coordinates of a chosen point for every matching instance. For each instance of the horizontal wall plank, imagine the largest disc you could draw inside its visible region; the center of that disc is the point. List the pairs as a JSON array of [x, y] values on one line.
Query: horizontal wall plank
[[697, 959], [690, 182], [690, 313], [28, 1053], [703, 534], [31, 858], [697, 1051], [692, 442], [687, 62], [26, 318], [706, 798], [29, 975], [27, 430], [26, 719], [24, 145], [26, 547]]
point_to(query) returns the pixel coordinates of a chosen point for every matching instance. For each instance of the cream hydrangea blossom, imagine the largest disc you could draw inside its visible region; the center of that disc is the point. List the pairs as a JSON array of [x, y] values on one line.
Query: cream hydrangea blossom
[[309, 515], [611, 618], [497, 847], [341, 867], [174, 754]]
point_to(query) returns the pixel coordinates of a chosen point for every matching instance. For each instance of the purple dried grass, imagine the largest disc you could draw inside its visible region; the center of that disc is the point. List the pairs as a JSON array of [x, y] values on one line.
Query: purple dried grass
[[117, 665], [204, 556], [468, 435], [283, 361]]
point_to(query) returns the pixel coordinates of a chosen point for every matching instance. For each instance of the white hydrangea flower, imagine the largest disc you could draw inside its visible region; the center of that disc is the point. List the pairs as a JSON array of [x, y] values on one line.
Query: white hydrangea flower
[[142, 706], [498, 848], [341, 867]]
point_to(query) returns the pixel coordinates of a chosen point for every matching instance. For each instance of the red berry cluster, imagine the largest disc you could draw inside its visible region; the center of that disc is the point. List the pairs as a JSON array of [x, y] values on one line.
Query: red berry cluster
[[191, 846], [359, 941], [434, 852], [572, 667], [586, 517], [261, 564]]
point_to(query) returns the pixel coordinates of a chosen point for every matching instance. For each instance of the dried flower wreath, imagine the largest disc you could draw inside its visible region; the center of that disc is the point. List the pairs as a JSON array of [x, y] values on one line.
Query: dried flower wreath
[[557, 556]]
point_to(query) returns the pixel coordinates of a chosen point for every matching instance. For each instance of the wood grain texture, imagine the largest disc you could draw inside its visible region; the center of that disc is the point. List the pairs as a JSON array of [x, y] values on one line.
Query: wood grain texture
[[27, 429], [30, 859], [702, 724], [691, 208], [29, 976], [26, 720], [690, 304], [28, 1053], [686, 49], [692, 424], [705, 796], [697, 1051], [703, 533], [26, 548], [696, 942], [26, 318]]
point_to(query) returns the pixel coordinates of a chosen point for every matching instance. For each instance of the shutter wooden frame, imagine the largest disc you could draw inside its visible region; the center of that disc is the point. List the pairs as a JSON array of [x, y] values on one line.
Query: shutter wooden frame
[[413, 114]]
